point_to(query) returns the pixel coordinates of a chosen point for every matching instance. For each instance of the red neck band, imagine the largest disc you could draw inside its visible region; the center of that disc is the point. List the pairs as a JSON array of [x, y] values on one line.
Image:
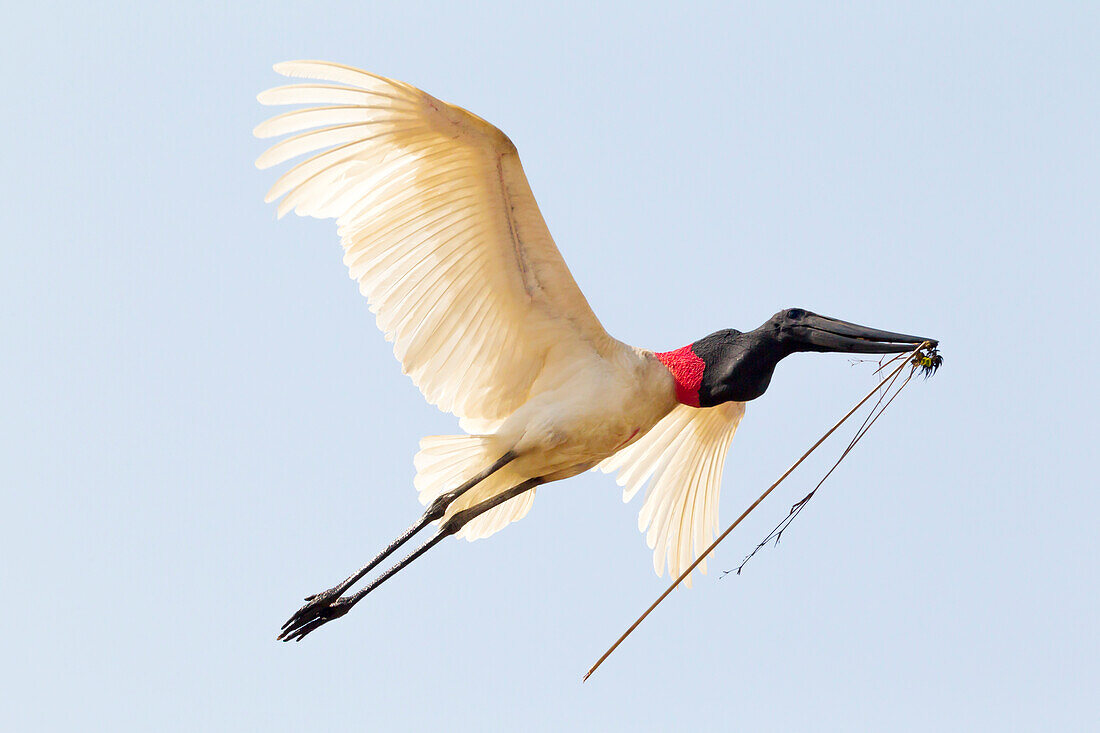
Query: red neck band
[[687, 369]]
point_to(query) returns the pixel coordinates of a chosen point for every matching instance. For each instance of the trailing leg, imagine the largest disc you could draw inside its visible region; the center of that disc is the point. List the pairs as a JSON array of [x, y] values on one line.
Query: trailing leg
[[317, 603], [297, 628]]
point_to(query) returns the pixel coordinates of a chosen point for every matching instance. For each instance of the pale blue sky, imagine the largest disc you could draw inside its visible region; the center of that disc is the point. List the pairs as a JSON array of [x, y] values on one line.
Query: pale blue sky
[[201, 423]]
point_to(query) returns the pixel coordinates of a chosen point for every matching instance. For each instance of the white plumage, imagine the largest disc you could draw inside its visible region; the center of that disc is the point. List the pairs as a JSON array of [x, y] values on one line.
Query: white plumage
[[682, 459], [442, 233]]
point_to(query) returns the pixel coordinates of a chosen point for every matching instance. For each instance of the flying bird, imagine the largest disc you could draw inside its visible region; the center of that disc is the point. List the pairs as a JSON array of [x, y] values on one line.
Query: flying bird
[[441, 231]]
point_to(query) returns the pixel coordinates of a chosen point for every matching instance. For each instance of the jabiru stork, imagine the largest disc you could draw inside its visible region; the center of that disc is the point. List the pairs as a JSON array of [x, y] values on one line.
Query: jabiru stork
[[441, 230]]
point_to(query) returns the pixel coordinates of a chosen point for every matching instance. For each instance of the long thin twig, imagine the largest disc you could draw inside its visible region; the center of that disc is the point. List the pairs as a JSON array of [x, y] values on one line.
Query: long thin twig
[[876, 412], [745, 513]]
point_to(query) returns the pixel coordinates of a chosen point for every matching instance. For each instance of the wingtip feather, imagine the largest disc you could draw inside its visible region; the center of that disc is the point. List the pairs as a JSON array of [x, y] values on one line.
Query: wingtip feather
[[266, 97], [342, 73], [286, 68]]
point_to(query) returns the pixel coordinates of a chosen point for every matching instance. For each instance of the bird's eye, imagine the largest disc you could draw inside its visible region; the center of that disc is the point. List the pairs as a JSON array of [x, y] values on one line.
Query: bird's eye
[[795, 313]]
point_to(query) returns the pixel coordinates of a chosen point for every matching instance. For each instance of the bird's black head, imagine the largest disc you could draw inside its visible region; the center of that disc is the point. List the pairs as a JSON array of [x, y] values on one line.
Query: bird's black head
[[735, 366], [800, 330]]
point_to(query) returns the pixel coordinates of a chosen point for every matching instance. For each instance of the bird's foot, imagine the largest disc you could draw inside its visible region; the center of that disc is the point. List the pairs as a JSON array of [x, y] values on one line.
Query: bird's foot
[[318, 611]]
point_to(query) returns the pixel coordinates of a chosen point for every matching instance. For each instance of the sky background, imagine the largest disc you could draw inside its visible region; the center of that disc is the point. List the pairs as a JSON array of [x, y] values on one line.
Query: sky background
[[201, 423]]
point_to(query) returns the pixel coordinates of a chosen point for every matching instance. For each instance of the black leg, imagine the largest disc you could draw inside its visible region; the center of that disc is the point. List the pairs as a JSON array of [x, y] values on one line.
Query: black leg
[[317, 605], [296, 629], [459, 519]]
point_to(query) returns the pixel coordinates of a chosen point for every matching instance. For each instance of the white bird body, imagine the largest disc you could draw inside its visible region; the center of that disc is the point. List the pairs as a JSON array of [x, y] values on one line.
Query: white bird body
[[442, 233], [574, 421], [589, 415]]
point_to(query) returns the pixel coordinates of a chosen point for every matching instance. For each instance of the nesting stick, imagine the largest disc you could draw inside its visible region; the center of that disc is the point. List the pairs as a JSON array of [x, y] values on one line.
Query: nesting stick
[[752, 506]]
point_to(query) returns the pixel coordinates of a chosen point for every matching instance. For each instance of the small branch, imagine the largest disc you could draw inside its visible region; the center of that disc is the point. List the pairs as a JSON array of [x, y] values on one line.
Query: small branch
[[797, 508], [725, 533]]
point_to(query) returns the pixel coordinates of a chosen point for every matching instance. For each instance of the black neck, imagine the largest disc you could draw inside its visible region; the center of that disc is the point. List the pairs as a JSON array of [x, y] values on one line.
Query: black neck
[[739, 365]]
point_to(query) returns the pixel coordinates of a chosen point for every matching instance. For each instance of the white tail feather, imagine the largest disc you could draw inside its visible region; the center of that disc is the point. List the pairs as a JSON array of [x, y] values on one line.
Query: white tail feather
[[446, 461]]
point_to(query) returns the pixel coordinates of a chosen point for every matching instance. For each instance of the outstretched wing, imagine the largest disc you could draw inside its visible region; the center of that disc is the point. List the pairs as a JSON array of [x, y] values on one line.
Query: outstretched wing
[[682, 459], [440, 229]]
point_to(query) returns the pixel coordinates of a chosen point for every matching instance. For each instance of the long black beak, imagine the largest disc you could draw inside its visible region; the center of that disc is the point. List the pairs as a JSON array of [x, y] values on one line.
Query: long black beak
[[820, 333]]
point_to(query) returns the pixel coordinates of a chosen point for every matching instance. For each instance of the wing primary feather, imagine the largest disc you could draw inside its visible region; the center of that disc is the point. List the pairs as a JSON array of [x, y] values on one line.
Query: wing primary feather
[[329, 71], [344, 154], [325, 137], [326, 94], [303, 119]]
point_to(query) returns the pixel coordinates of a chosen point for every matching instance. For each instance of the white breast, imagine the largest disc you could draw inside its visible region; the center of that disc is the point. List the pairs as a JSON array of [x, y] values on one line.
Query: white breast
[[594, 412]]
